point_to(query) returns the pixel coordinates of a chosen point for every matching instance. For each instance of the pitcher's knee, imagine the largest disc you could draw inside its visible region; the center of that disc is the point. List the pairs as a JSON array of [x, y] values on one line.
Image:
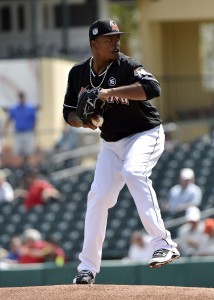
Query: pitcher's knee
[[102, 199], [132, 172]]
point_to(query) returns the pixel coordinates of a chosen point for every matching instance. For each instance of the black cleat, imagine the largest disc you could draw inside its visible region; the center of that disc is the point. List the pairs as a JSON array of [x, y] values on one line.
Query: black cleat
[[84, 277]]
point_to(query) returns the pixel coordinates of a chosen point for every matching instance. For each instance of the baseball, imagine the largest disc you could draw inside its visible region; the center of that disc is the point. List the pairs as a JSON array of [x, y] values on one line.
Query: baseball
[[98, 122]]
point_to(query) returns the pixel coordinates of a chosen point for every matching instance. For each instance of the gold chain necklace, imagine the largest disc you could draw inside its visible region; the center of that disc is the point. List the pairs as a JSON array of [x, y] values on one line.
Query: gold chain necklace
[[95, 87]]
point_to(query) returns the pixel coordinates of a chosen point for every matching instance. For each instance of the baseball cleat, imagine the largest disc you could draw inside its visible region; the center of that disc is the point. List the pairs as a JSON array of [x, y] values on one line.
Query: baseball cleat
[[84, 277], [162, 257]]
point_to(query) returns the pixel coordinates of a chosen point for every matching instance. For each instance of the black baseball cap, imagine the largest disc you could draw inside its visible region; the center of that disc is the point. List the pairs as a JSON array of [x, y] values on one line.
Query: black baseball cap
[[104, 27]]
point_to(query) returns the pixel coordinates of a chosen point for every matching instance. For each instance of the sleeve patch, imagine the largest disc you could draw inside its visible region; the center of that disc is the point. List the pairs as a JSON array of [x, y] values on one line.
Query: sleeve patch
[[140, 72]]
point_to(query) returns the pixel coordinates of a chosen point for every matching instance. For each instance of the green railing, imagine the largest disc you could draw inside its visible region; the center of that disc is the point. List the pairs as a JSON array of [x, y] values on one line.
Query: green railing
[[187, 272]]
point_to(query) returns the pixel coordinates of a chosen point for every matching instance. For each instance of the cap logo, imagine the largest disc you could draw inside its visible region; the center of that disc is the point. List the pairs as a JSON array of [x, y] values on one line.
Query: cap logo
[[95, 31], [114, 26]]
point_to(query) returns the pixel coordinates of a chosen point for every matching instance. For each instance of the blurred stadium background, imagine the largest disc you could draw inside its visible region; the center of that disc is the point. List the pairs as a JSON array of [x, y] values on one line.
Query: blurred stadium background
[[41, 40]]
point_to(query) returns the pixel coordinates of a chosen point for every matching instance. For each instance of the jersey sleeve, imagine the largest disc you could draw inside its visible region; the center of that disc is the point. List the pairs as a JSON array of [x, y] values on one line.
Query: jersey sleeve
[[149, 83], [70, 99]]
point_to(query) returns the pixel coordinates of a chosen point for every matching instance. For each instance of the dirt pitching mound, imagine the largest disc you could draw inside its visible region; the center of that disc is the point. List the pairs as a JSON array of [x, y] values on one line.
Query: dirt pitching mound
[[105, 292]]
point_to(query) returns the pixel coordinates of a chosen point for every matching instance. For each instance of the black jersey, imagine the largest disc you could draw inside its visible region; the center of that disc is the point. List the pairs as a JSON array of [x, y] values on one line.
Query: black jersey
[[122, 117]]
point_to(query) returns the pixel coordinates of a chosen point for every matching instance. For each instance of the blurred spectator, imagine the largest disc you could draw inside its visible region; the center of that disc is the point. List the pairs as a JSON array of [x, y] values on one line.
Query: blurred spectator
[[207, 247], [212, 135], [55, 253], [191, 235], [6, 190], [183, 195], [67, 140], [3, 253], [171, 139], [23, 116], [34, 248], [13, 254], [1, 138], [140, 247], [38, 191]]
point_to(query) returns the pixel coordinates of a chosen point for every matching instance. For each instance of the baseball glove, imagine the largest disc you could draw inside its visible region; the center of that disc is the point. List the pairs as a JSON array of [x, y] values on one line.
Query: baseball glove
[[89, 104]]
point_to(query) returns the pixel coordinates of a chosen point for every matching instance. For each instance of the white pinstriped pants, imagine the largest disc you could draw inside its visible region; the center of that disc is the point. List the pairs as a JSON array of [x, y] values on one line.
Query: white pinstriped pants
[[127, 161]]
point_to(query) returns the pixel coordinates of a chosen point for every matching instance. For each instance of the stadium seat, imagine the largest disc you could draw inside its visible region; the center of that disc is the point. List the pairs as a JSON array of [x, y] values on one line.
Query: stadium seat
[[65, 219]]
